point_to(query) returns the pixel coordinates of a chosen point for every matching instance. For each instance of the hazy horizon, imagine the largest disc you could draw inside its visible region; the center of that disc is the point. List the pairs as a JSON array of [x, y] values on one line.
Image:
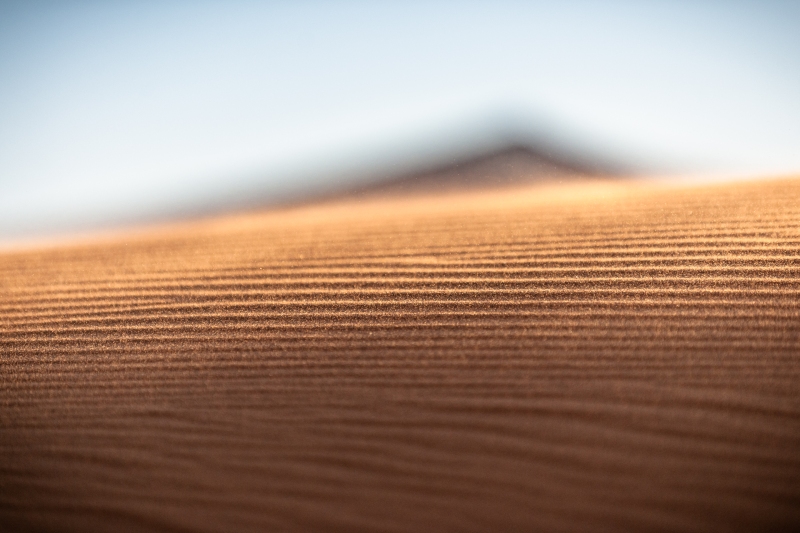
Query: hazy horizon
[[117, 112]]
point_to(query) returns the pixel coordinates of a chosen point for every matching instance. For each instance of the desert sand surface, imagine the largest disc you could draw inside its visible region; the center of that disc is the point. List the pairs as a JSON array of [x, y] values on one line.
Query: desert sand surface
[[592, 356]]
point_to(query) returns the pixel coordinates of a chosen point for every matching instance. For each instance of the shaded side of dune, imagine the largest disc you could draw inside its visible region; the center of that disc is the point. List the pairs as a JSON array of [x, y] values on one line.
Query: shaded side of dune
[[588, 357]]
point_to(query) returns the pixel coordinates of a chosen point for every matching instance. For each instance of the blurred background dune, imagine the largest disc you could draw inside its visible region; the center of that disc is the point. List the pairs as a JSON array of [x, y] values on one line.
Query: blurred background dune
[[134, 111]]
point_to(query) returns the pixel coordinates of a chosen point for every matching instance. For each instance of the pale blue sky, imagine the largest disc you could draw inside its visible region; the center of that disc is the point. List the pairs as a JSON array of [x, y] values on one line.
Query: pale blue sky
[[115, 110]]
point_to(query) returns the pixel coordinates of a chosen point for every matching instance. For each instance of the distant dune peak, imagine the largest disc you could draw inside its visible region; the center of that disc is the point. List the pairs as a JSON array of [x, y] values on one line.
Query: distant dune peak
[[505, 164]]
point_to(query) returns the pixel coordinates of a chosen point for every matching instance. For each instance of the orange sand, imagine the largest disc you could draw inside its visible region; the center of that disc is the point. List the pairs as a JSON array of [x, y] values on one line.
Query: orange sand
[[589, 357]]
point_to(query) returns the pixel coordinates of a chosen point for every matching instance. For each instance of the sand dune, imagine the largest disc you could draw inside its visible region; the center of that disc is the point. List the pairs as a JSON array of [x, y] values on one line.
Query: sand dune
[[586, 357], [504, 165]]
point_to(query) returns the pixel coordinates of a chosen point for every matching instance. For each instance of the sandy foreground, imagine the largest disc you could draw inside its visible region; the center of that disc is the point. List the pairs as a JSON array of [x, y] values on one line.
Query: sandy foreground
[[584, 357]]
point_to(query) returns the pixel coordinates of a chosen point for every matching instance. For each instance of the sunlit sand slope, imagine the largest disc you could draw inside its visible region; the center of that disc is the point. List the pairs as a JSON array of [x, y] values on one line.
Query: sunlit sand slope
[[593, 357]]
